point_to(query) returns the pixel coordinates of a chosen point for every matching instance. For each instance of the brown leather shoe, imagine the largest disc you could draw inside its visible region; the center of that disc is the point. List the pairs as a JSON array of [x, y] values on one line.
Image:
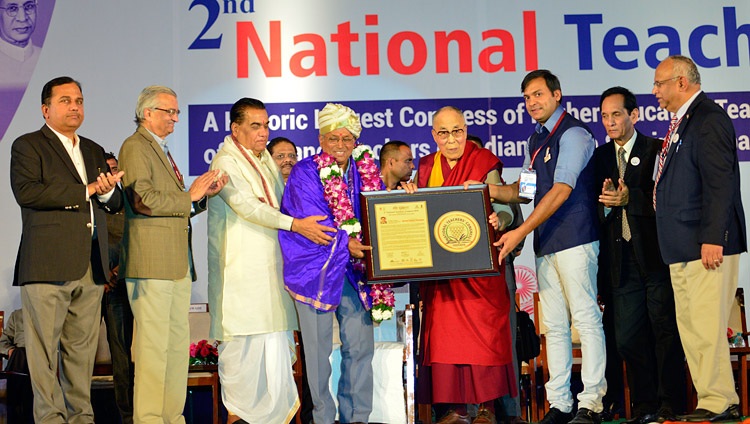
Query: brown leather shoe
[[452, 417], [484, 416]]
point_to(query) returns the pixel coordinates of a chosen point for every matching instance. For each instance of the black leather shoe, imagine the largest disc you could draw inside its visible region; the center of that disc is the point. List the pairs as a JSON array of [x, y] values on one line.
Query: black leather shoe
[[556, 416], [664, 414], [731, 414], [586, 416], [642, 419]]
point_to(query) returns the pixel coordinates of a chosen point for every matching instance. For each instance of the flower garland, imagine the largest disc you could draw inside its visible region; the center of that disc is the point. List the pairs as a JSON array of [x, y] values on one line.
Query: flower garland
[[335, 191]]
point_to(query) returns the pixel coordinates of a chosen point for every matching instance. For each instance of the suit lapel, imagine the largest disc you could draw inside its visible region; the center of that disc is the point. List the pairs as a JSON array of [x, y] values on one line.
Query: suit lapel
[[57, 146], [683, 126], [161, 155], [611, 156], [639, 150], [89, 160]]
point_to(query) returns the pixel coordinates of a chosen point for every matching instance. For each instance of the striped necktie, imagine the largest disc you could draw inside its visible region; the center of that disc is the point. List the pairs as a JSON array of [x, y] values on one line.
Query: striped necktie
[[663, 154], [621, 165]]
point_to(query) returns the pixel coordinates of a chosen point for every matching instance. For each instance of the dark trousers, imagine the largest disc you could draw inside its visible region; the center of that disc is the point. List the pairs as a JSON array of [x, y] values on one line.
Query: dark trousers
[[647, 337], [119, 320]]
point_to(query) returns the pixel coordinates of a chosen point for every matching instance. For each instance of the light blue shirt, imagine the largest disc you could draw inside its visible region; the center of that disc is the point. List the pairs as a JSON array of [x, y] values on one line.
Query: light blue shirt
[[576, 149]]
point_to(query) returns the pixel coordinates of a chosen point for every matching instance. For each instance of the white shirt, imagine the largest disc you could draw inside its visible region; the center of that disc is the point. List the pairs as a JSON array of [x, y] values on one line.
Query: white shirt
[[73, 147]]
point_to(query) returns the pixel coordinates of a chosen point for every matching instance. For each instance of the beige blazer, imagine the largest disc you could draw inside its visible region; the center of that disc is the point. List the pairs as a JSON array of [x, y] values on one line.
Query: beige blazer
[[156, 241]]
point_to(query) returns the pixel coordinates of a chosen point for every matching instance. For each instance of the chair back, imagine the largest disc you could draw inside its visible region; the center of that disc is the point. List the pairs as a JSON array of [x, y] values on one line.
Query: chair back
[[737, 313], [542, 329], [103, 355], [199, 321]]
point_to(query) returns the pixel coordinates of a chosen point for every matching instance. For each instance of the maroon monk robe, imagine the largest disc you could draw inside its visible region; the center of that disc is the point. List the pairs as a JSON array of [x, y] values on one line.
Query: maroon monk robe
[[465, 345]]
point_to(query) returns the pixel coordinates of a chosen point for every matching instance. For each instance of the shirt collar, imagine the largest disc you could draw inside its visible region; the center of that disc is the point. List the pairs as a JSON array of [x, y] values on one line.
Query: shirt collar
[[161, 141], [64, 139], [17, 53], [552, 121], [628, 146], [683, 109]]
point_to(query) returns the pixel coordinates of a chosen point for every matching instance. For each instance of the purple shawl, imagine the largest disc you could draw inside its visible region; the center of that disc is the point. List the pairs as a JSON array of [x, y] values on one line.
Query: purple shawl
[[314, 274]]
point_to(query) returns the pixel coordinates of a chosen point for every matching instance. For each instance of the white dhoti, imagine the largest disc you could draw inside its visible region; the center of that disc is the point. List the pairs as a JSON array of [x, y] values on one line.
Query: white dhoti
[[257, 383]]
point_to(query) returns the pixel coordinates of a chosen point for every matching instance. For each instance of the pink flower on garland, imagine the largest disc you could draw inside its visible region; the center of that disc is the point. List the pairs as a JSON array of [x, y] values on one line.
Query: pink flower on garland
[[335, 193]]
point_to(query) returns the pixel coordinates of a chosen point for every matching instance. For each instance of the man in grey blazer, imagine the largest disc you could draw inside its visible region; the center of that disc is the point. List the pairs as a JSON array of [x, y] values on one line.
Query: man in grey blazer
[[156, 258], [60, 181]]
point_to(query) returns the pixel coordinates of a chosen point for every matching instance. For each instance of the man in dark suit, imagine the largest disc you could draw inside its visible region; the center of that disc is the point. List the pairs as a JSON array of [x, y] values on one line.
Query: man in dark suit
[[630, 264], [61, 183], [701, 228]]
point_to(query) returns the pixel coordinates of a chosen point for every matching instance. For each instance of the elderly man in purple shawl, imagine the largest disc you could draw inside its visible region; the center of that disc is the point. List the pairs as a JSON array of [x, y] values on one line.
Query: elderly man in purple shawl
[[328, 279]]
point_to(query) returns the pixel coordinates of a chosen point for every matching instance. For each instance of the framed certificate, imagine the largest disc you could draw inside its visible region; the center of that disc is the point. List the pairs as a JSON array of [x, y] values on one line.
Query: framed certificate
[[432, 234]]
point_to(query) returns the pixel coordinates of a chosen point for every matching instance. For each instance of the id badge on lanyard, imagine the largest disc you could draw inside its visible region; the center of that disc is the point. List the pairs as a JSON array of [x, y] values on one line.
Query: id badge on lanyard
[[527, 184], [527, 179]]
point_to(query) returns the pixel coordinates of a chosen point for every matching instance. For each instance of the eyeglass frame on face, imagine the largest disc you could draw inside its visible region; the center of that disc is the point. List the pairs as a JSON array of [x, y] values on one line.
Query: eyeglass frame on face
[[28, 8], [658, 84], [170, 112], [457, 133], [333, 140]]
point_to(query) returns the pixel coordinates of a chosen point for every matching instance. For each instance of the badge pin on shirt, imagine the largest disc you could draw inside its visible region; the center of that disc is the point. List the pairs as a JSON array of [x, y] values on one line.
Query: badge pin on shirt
[[547, 156]]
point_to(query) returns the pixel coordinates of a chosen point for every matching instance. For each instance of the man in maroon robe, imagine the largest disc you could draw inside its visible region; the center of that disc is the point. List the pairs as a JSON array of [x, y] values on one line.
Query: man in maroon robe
[[465, 347]]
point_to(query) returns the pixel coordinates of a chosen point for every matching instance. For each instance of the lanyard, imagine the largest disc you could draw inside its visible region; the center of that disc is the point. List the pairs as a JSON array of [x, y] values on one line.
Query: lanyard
[[533, 158]]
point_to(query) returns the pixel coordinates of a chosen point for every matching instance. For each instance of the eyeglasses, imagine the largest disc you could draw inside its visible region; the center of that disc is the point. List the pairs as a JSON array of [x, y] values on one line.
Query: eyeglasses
[[282, 156], [12, 11], [170, 112], [443, 135], [658, 84], [335, 140]]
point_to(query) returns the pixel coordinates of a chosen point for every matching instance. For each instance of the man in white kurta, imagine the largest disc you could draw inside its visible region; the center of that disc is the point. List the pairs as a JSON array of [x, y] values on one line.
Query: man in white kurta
[[251, 313]]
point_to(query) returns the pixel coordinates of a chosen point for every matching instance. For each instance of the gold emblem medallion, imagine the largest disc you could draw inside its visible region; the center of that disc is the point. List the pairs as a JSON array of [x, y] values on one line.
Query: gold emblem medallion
[[457, 231]]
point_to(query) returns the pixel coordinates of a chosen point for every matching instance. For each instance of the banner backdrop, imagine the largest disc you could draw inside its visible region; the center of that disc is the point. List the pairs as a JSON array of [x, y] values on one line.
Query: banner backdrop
[[393, 62]]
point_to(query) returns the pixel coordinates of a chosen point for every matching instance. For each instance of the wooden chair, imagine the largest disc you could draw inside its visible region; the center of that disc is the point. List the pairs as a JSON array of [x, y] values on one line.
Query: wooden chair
[[203, 375], [738, 355], [298, 375], [540, 404]]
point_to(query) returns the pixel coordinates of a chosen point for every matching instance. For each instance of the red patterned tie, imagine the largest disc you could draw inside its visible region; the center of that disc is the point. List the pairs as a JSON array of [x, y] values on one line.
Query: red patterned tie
[[663, 154], [174, 167]]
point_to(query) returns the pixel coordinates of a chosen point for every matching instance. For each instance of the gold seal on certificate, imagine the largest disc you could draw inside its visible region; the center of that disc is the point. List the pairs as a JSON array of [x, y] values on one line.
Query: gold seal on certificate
[[430, 235], [456, 231]]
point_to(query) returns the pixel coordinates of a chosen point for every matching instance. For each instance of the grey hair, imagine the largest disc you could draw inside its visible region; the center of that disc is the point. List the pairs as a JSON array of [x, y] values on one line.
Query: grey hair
[[147, 99], [683, 65]]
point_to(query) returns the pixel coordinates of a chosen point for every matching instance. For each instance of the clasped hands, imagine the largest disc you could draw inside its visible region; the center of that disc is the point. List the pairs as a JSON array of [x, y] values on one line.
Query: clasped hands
[[208, 184], [612, 196], [104, 183]]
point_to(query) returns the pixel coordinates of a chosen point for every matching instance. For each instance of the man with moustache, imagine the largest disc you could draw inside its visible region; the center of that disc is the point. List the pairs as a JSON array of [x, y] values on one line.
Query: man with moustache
[[251, 313], [327, 278], [566, 243], [156, 259], [284, 153], [396, 163], [701, 227], [630, 262], [58, 179]]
